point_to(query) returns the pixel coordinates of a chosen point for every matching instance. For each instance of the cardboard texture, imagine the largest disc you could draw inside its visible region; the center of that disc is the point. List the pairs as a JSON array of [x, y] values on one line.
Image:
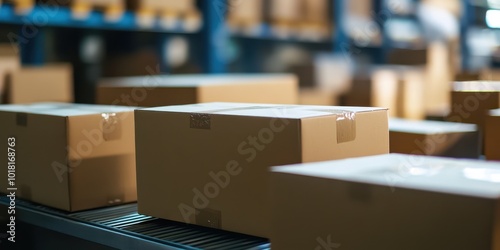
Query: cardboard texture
[[388, 202], [471, 101], [50, 83], [69, 156], [360, 8], [151, 91], [9, 61], [207, 164], [492, 135], [434, 138]]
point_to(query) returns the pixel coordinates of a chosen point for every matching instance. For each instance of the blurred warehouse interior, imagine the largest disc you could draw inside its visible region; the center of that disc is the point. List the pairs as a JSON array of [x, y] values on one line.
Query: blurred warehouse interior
[[344, 52]]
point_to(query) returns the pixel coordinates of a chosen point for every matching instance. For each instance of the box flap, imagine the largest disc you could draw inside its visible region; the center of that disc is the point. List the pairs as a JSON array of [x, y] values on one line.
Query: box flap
[[462, 177], [429, 127]]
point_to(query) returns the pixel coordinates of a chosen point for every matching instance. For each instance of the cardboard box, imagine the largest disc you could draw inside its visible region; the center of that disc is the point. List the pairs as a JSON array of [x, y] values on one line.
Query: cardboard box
[[492, 135], [50, 83], [388, 202], [69, 156], [150, 91], [471, 101], [434, 138], [285, 11], [207, 164], [9, 61], [245, 13], [401, 89]]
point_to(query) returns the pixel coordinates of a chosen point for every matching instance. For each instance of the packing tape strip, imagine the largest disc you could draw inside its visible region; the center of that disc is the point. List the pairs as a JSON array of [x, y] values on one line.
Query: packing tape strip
[[346, 126], [111, 127]]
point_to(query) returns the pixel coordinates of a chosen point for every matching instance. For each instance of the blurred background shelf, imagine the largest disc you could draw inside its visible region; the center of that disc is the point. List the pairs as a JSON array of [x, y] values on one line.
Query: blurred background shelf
[[60, 16]]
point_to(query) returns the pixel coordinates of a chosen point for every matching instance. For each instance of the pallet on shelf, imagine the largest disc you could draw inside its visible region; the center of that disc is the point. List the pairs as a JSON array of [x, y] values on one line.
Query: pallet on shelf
[[170, 12]]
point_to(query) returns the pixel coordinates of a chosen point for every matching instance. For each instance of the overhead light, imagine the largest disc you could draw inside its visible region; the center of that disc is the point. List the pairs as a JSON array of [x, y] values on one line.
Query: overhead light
[[493, 18], [495, 4]]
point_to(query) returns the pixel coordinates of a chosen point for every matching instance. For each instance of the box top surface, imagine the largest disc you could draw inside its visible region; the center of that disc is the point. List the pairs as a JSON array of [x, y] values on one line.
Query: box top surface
[[261, 110], [461, 177], [64, 109], [429, 127], [476, 86], [189, 81], [495, 112]]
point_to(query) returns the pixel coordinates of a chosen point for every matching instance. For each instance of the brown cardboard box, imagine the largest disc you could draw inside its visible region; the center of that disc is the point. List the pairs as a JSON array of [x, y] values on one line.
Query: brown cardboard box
[[150, 91], [434, 138], [245, 13], [71, 157], [50, 83], [389, 202], [207, 164], [285, 11], [401, 89], [492, 135], [9, 61], [471, 101]]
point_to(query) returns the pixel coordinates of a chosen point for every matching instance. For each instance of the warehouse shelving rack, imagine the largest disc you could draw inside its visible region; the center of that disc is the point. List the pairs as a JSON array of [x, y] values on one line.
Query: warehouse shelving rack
[[213, 31]]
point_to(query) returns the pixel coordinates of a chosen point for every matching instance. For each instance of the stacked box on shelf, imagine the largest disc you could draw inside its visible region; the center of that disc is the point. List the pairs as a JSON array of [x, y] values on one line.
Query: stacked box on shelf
[[48, 83], [245, 15], [434, 138], [69, 156], [169, 11], [150, 91], [386, 202], [209, 162]]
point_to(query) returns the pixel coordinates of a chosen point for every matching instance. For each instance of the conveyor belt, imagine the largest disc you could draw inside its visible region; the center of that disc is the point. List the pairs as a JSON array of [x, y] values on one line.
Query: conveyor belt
[[121, 227]]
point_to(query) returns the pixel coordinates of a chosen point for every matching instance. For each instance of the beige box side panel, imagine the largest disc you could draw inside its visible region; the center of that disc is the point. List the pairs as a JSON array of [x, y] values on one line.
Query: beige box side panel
[[42, 84], [41, 162], [145, 97], [340, 212], [176, 166], [282, 91], [319, 136], [103, 160]]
